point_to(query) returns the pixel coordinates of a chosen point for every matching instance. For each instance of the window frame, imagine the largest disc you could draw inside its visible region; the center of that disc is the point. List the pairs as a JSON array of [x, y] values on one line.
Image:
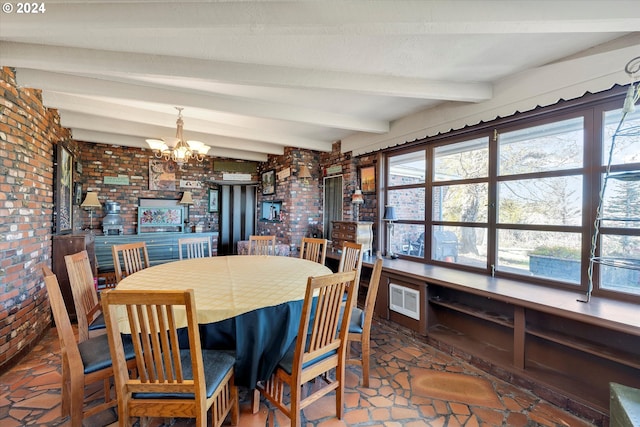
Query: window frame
[[592, 108]]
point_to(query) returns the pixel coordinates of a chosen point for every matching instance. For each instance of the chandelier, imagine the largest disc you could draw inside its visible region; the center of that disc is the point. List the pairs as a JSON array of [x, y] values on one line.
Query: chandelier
[[177, 149]]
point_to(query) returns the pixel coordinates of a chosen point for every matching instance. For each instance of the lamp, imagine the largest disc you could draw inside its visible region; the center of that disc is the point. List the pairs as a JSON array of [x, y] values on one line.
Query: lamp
[[389, 217], [177, 149], [186, 200], [357, 200], [305, 174], [91, 202]]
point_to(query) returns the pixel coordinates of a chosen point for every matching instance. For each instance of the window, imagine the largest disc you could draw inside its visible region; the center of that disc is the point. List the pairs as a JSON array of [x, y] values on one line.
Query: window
[[518, 197]]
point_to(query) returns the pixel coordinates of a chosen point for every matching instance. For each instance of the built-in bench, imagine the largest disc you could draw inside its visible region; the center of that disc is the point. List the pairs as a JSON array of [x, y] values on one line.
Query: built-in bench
[[537, 337]]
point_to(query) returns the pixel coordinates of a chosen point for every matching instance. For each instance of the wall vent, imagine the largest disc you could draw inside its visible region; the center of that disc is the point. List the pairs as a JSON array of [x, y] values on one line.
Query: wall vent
[[404, 300]]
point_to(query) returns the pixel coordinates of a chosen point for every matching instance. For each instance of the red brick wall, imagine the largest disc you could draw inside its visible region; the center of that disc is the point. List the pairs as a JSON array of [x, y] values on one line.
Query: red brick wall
[[100, 160], [28, 134], [302, 202]]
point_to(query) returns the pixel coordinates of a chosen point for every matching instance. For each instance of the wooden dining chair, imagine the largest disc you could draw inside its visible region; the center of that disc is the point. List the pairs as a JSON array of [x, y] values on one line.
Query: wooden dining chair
[[85, 296], [313, 249], [82, 363], [134, 258], [194, 247], [319, 348], [171, 382], [262, 245], [351, 258], [360, 325]]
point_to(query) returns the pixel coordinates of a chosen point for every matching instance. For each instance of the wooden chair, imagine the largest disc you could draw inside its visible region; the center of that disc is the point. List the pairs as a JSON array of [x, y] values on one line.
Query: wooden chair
[[262, 245], [319, 348], [83, 363], [351, 258], [134, 258], [313, 249], [360, 325], [195, 247], [85, 296], [171, 382]]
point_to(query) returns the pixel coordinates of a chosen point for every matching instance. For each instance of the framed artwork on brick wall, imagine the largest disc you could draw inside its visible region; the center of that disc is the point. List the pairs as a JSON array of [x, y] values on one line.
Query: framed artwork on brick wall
[[269, 182], [77, 194], [213, 200], [64, 190], [368, 179]]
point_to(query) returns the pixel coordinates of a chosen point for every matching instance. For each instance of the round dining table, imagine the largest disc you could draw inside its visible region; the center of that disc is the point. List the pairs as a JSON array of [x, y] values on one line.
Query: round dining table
[[249, 304]]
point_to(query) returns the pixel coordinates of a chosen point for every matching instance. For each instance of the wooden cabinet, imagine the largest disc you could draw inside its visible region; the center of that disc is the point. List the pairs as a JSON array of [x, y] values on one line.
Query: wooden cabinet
[[352, 231], [67, 244]]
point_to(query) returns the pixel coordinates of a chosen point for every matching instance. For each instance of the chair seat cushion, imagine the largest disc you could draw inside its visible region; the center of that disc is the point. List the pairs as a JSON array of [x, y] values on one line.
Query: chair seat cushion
[[216, 365], [286, 363], [356, 322], [98, 323], [95, 353]]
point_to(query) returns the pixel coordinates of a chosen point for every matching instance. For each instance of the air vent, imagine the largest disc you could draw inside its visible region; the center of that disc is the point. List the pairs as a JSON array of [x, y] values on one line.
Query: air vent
[[404, 301]]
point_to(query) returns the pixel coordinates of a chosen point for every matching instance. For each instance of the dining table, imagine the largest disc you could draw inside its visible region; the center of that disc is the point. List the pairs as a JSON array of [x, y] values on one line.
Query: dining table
[[250, 304]]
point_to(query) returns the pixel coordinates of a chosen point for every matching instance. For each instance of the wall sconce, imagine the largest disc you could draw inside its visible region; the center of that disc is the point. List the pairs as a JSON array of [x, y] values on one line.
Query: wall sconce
[[186, 200], [389, 217], [305, 174], [357, 199], [91, 202]]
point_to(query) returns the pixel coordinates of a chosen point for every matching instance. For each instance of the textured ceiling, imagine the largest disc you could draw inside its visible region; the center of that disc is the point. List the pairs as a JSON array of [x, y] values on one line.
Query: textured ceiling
[[257, 76]]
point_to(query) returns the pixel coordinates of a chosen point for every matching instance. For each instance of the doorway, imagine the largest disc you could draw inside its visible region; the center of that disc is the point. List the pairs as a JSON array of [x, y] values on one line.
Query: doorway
[[237, 216], [332, 203]]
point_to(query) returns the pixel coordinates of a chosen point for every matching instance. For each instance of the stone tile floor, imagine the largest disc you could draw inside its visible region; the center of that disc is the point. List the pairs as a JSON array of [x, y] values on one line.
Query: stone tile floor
[[412, 385]]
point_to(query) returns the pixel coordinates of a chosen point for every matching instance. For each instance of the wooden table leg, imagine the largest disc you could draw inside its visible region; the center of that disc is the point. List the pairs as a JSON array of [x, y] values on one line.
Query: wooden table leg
[[255, 401]]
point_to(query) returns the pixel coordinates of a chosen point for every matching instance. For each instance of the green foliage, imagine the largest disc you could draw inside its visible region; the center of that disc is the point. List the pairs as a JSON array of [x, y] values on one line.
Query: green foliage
[[556, 252]]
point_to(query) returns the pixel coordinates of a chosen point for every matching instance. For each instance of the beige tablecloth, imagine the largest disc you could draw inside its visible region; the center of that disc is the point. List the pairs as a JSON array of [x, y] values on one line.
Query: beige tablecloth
[[228, 286]]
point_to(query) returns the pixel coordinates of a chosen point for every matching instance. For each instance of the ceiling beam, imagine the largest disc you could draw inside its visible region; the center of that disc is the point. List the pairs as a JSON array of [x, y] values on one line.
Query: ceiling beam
[[194, 128], [101, 62], [73, 119], [190, 98], [130, 141]]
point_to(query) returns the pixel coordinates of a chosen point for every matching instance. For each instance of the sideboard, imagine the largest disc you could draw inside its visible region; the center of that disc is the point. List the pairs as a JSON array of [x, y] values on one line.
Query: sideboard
[[352, 231], [162, 247]]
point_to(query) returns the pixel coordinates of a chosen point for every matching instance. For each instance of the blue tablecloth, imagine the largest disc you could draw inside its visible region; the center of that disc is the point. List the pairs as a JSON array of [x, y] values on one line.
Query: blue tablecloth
[[260, 338]]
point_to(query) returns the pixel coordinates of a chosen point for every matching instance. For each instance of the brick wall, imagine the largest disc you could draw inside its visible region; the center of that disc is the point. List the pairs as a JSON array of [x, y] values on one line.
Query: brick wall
[[28, 135], [301, 202], [101, 160]]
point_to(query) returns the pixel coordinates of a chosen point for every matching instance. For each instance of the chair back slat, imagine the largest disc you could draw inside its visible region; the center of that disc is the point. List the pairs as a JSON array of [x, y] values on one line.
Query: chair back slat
[[134, 258], [194, 247], [351, 258], [262, 245], [327, 331], [154, 332], [85, 296], [313, 249]]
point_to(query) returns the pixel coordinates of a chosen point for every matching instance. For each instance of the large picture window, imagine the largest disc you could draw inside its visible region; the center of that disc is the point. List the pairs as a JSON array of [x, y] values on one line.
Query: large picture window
[[518, 197]]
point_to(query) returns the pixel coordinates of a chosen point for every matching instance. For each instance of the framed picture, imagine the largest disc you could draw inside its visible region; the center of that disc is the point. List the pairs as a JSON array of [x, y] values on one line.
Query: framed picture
[[162, 175], [269, 182], [64, 190], [213, 200], [77, 193], [368, 179]]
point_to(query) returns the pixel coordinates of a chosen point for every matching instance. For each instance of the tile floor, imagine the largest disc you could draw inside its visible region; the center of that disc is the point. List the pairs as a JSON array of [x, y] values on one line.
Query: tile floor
[[412, 385]]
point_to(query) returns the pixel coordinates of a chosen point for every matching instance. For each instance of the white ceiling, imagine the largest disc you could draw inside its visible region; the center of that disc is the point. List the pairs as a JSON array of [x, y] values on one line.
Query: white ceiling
[[257, 76]]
